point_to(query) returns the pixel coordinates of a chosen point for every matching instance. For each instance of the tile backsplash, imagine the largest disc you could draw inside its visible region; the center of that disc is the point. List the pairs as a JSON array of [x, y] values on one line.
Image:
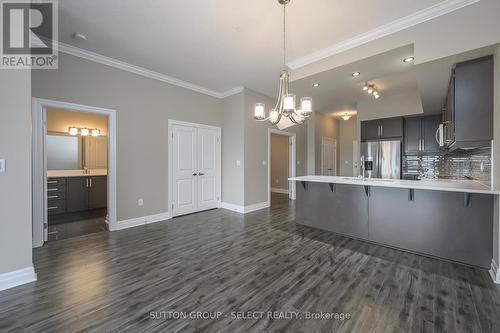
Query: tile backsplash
[[474, 164]]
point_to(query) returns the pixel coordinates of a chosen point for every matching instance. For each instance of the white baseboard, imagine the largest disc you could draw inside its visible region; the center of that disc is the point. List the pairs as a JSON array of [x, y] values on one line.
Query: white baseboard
[[125, 224], [279, 190], [16, 278], [494, 272], [244, 209]]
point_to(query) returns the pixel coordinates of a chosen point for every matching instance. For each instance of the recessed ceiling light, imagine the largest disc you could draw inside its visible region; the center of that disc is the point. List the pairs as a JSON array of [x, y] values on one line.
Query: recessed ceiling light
[[409, 59], [356, 74], [316, 85], [79, 36]]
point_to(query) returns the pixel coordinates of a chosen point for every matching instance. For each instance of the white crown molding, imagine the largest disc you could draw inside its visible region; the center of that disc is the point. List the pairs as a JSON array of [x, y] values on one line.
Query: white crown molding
[[406, 22], [16, 278], [125, 224], [233, 91], [104, 60]]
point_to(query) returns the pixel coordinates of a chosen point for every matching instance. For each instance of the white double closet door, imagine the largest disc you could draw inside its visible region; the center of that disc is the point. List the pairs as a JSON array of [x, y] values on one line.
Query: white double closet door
[[196, 168]]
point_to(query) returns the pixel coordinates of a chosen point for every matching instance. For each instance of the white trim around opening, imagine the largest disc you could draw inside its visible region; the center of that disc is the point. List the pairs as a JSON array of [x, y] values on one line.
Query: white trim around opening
[[292, 158], [39, 162]]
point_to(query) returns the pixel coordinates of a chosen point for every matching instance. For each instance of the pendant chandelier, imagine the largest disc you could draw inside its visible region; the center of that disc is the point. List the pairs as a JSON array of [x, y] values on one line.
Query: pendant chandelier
[[286, 104]]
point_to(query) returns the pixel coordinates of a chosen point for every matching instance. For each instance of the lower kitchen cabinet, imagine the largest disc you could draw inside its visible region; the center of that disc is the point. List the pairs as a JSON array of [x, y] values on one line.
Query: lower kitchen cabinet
[[330, 207], [451, 225], [435, 223]]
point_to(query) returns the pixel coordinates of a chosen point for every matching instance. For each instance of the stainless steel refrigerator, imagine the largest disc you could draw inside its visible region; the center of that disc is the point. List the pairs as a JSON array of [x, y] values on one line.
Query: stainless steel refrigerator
[[382, 159]]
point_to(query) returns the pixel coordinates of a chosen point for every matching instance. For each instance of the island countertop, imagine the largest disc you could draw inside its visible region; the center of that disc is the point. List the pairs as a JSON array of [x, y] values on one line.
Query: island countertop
[[465, 186]]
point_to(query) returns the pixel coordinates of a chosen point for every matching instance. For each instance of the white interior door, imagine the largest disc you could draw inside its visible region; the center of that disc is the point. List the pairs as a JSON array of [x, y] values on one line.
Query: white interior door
[[184, 169], [207, 168], [328, 157]]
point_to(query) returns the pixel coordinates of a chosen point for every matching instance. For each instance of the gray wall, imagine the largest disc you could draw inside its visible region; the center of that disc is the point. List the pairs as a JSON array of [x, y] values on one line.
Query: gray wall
[[143, 108], [348, 132], [279, 161], [256, 178], [326, 126], [15, 183], [233, 136]]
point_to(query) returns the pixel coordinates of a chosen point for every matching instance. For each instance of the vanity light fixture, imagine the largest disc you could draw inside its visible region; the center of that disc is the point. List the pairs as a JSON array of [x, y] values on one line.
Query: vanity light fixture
[[96, 132], [73, 131], [408, 59]]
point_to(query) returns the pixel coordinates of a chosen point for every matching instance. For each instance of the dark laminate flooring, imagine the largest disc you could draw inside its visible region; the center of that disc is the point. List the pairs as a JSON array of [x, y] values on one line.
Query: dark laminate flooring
[[77, 228], [222, 261]]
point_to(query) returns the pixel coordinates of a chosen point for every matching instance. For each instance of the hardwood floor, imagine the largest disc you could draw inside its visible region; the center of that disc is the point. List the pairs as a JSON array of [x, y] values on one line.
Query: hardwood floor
[[223, 261], [77, 228]]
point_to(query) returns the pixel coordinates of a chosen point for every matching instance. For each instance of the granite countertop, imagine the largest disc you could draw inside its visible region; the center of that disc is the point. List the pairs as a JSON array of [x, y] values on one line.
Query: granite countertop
[[466, 186]]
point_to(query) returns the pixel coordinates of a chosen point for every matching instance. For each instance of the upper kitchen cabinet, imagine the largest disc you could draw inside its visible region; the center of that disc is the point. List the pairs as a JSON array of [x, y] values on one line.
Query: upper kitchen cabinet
[[420, 134], [380, 129], [468, 115]]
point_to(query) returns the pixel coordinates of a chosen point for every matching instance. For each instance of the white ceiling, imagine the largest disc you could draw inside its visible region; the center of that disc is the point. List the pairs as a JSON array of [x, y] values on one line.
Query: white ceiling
[[339, 91], [220, 44]]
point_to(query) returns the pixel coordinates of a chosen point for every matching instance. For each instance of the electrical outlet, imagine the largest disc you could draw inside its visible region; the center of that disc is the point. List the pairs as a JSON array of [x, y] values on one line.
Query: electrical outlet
[[2, 166], [140, 202]]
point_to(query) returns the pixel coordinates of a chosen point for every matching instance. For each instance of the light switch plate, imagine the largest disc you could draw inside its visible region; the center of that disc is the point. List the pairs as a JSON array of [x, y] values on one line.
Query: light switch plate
[[140, 202], [2, 165], [238, 163], [264, 162]]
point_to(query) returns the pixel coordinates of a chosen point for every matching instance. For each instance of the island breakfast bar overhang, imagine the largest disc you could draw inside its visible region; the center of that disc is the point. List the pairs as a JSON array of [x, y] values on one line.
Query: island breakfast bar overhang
[[451, 220]]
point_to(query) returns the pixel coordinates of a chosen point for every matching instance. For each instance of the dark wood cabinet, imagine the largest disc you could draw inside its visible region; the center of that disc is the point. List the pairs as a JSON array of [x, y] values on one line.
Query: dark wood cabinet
[[380, 129], [76, 194], [468, 110], [430, 127], [473, 108], [412, 135], [370, 129], [420, 134], [98, 193]]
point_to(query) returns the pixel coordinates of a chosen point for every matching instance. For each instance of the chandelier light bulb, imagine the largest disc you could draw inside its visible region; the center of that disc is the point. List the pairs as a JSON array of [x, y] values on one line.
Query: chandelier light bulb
[[273, 116], [306, 106], [365, 88], [377, 96], [370, 90], [289, 103]]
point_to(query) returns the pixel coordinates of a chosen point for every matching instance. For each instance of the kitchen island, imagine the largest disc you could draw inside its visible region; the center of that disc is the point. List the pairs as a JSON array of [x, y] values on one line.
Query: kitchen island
[[448, 219]]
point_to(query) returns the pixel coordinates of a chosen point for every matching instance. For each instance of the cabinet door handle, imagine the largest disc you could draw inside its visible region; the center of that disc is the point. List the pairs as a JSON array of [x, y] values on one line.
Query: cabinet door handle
[[90, 181], [51, 208], [52, 189], [423, 144], [86, 182], [52, 182], [52, 197], [195, 174], [381, 130], [201, 174]]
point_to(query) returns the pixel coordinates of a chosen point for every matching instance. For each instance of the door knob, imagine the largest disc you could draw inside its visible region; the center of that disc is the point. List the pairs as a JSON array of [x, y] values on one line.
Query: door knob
[[201, 174]]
